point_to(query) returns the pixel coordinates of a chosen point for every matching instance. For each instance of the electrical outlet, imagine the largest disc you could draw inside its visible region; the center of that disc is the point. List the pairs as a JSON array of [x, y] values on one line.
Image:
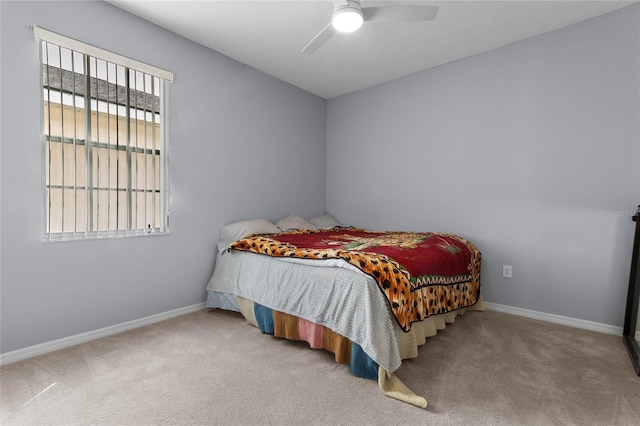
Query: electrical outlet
[[507, 271]]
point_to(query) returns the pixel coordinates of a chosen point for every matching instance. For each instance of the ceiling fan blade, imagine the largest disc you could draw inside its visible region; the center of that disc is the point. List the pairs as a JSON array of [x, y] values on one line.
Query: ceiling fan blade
[[320, 39], [399, 13]]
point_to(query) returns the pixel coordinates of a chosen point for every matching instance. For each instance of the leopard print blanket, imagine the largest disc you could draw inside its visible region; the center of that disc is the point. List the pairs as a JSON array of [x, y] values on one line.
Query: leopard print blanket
[[415, 286]]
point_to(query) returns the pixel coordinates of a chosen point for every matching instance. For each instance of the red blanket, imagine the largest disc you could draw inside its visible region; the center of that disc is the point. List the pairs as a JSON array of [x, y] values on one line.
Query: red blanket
[[420, 274]]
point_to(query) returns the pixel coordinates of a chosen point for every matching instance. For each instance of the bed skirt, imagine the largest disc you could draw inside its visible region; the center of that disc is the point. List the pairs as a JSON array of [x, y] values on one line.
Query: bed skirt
[[345, 351]]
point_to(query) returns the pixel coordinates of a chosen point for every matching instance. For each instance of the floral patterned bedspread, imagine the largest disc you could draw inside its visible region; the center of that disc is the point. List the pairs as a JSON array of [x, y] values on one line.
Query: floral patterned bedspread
[[420, 273]]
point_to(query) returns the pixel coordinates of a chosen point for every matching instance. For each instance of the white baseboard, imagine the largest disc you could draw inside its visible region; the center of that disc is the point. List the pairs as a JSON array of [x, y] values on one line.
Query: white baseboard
[[66, 342], [556, 319]]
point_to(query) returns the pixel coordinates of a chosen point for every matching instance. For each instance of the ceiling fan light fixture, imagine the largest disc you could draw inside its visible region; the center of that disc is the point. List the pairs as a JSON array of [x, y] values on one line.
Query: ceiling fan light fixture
[[347, 19]]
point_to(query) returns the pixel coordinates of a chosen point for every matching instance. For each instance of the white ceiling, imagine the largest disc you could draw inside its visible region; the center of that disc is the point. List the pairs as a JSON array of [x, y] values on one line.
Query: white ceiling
[[269, 35]]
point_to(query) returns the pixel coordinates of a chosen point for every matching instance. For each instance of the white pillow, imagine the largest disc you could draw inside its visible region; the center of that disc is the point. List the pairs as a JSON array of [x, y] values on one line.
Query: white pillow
[[324, 221], [294, 222], [238, 230]]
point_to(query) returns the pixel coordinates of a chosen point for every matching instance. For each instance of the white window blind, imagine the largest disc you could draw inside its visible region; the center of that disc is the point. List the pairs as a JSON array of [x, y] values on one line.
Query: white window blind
[[105, 162]]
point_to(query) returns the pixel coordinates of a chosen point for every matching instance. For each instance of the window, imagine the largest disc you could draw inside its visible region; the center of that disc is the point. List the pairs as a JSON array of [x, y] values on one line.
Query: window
[[104, 132]]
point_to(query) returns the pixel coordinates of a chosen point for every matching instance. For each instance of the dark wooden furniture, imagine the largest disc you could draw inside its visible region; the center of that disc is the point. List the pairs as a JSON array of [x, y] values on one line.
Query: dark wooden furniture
[[630, 330]]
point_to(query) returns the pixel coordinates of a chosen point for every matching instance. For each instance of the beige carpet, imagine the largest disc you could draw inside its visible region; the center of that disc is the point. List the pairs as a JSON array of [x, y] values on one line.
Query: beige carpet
[[210, 367]]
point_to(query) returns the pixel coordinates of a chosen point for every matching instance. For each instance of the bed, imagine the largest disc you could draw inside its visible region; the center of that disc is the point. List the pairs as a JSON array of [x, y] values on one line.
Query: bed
[[370, 297]]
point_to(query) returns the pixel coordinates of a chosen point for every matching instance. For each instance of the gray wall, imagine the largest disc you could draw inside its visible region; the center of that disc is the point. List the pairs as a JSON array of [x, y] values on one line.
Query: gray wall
[[243, 145], [531, 151]]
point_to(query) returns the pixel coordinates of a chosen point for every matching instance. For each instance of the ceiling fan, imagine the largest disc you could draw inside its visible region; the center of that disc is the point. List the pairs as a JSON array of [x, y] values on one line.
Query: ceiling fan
[[350, 16]]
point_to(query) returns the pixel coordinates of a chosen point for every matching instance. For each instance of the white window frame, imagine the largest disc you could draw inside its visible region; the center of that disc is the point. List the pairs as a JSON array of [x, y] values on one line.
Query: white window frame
[[92, 229]]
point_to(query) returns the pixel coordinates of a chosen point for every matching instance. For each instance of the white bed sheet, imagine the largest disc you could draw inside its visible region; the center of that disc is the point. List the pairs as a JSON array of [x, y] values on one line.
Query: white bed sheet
[[332, 293]]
